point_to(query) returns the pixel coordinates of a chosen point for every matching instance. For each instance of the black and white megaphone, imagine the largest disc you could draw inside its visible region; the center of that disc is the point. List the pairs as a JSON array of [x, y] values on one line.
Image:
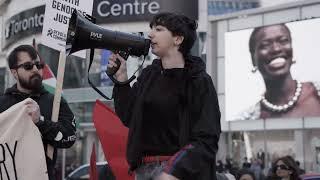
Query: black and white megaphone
[[84, 34]]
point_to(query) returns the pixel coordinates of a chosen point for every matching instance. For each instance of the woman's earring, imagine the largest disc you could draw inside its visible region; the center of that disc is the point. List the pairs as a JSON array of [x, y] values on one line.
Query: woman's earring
[[254, 69]]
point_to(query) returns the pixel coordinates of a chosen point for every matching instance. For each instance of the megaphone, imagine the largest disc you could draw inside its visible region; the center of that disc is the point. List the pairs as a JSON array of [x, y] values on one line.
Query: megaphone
[[84, 34]]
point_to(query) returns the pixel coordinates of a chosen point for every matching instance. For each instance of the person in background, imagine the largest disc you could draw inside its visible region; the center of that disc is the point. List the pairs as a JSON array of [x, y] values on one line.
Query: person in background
[[220, 166], [301, 171], [27, 68], [245, 174], [221, 176], [172, 111], [261, 155], [246, 164], [229, 164], [256, 169], [285, 168]]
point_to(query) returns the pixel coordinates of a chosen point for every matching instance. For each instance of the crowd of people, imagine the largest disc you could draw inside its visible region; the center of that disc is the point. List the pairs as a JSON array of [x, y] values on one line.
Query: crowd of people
[[284, 168]]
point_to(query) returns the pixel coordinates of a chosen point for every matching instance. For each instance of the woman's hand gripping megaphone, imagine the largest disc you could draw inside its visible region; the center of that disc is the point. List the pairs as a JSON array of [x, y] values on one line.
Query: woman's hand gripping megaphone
[[117, 66]]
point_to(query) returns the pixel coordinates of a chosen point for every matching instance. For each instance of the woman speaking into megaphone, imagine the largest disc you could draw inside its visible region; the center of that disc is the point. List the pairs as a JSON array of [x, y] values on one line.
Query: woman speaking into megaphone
[[172, 111]]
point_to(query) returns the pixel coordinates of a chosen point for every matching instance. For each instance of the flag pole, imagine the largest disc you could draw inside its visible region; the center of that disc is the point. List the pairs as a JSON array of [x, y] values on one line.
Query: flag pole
[[56, 105], [58, 91]]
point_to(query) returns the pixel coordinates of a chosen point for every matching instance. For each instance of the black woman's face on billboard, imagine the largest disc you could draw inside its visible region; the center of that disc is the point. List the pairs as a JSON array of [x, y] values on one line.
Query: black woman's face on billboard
[[273, 51]]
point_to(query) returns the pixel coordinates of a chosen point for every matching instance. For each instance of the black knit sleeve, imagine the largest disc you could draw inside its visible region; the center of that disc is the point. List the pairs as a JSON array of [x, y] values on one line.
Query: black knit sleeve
[[61, 134]]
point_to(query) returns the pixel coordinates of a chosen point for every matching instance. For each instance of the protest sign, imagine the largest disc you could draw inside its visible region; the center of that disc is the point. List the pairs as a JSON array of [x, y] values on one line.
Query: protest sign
[[20, 146]]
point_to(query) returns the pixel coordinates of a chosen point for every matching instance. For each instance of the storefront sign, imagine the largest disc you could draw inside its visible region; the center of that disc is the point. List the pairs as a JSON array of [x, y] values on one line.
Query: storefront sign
[[113, 11], [58, 13], [23, 24]]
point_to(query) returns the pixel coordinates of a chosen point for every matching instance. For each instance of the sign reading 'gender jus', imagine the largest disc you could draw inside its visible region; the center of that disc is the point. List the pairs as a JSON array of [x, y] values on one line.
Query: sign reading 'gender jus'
[[57, 15]]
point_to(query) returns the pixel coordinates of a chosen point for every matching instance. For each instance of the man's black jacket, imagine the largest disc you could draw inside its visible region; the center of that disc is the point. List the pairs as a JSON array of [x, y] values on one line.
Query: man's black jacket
[[48, 129], [199, 118]]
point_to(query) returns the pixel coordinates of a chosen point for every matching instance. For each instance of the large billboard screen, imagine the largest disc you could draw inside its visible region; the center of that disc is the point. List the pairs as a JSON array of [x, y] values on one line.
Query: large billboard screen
[[273, 71]]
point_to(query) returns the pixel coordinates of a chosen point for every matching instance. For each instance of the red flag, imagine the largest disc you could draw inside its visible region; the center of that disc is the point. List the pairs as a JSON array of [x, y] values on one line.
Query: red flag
[[93, 167], [113, 136]]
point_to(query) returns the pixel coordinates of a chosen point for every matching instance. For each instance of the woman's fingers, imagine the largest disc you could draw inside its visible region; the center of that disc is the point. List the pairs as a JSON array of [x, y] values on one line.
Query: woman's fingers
[[121, 73], [120, 58], [112, 64], [112, 60]]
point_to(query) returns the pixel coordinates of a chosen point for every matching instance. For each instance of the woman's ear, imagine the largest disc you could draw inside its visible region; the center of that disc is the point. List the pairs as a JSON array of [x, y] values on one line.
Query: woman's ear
[[178, 40]]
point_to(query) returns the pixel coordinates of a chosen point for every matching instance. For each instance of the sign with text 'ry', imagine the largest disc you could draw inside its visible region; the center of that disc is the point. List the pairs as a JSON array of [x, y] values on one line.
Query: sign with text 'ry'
[[21, 149], [56, 20]]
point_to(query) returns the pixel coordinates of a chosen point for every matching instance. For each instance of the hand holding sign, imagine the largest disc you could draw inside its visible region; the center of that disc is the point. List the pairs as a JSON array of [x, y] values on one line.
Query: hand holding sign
[[33, 109]]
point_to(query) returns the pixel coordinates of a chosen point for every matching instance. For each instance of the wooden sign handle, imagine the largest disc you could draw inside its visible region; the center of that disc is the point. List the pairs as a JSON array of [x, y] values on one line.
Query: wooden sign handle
[[57, 96]]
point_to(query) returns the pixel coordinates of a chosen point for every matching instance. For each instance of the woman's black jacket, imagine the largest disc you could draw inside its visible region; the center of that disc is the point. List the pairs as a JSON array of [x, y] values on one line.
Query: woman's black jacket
[[199, 119]]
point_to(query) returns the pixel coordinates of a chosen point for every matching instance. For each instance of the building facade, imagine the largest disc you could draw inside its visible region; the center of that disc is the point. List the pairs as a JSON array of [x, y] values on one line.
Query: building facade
[[274, 137], [22, 24]]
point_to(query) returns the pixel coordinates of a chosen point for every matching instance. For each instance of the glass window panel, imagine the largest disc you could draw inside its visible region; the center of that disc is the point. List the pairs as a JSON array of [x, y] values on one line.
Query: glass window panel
[[282, 16], [2, 79], [312, 150]]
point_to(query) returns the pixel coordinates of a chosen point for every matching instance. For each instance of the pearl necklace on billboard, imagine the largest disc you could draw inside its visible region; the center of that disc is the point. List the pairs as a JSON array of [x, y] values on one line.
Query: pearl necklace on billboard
[[284, 107]]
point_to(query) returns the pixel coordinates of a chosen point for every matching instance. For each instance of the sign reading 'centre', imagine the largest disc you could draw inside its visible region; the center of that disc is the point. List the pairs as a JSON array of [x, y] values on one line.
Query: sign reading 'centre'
[[113, 11]]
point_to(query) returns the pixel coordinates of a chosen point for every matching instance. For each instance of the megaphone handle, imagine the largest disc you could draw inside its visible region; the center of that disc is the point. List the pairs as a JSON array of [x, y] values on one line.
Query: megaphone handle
[[114, 69]]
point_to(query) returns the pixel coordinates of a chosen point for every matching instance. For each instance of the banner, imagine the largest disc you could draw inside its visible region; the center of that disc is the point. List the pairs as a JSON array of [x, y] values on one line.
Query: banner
[[56, 20], [113, 137], [20, 146]]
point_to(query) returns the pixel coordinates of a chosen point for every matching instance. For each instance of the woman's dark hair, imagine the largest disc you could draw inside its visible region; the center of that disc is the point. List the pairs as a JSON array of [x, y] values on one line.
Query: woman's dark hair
[[242, 172], [252, 39], [288, 161], [179, 25], [13, 56]]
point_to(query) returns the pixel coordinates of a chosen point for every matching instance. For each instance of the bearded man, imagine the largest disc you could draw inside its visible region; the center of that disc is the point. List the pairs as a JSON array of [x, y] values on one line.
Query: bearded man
[[27, 68]]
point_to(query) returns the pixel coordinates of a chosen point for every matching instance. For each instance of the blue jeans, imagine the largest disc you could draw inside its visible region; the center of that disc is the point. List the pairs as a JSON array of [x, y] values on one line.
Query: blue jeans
[[149, 171]]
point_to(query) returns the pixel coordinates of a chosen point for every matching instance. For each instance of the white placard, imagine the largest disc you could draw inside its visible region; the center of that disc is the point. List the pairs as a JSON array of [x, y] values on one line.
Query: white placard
[[21, 149], [56, 20]]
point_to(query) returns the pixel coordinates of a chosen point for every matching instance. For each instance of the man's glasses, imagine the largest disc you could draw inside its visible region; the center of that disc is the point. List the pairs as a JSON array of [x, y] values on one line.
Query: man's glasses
[[29, 65], [281, 166]]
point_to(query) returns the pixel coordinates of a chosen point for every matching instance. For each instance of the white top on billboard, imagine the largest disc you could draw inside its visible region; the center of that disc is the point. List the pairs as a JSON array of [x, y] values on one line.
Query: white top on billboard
[[56, 20]]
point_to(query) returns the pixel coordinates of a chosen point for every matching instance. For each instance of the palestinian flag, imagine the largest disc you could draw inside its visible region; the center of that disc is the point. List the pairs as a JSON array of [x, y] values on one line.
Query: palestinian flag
[[49, 81]]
